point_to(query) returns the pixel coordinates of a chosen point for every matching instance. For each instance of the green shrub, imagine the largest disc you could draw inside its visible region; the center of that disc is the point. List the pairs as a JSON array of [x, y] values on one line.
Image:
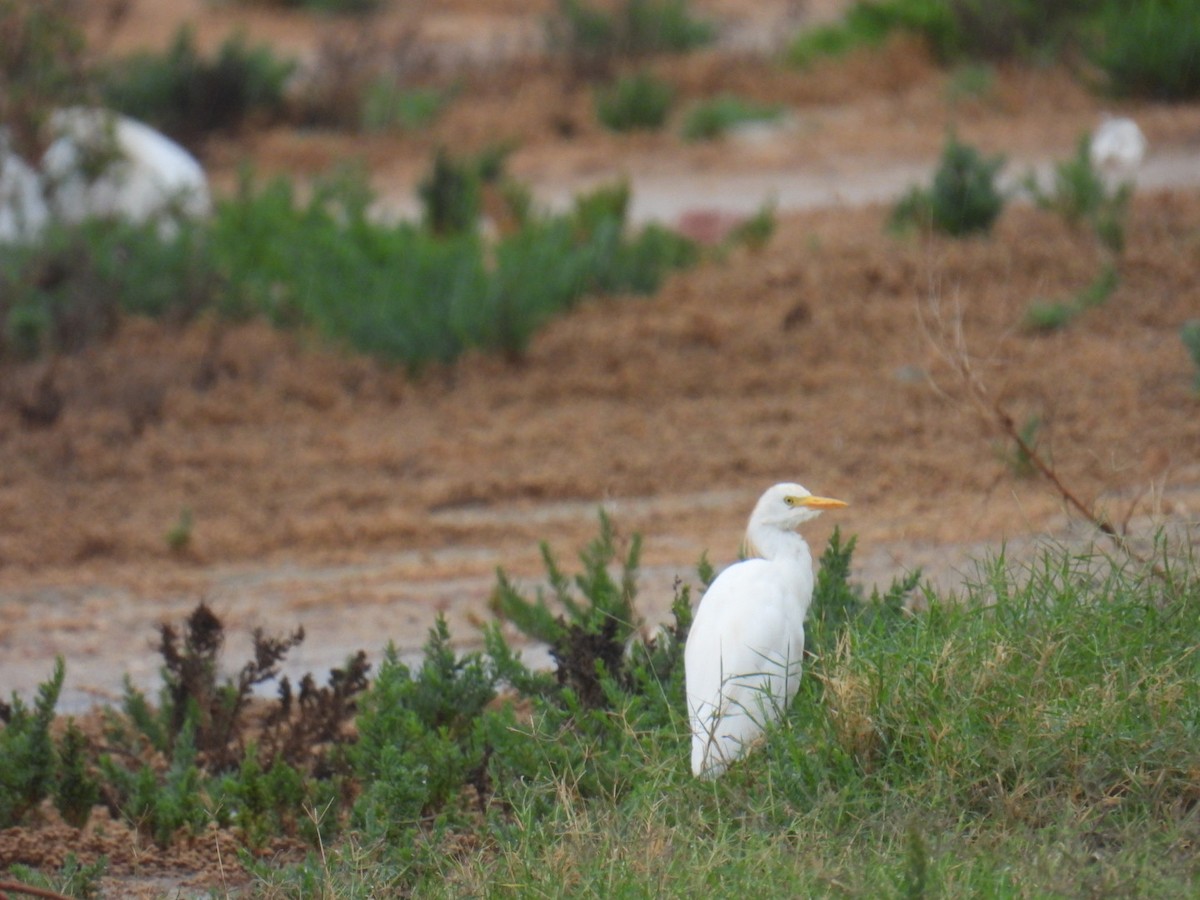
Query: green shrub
[[593, 38], [864, 25], [41, 67], [27, 767], [188, 96], [955, 30], [70, 287], [1058, 314], [712, 118], [1190, 335], [76, 791], [387, 107], [639, 101], [450, 195], [73, 879], [963, 199], [421, 738], [1150, 49], [1081, 196]]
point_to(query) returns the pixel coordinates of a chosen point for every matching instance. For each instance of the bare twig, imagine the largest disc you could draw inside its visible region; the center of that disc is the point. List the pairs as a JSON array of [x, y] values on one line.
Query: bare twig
[[948, 341], [17, 887]]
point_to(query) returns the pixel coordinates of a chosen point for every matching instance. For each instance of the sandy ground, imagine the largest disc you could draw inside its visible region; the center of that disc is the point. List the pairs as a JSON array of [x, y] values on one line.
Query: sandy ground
[[336, 493]]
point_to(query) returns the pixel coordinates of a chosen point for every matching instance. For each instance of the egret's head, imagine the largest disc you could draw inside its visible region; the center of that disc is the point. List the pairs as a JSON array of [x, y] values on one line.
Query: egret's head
[[787, 506]]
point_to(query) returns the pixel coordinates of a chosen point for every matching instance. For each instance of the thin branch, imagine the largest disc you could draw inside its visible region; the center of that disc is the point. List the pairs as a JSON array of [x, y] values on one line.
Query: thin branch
[[950, 344], [17, 887]]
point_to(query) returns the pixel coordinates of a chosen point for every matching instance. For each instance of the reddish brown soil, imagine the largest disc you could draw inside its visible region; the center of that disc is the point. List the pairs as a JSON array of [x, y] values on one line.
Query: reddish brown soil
[[336, 492]]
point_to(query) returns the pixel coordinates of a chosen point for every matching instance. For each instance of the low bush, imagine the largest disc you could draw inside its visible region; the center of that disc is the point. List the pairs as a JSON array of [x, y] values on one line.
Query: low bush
[[43, 65], [389, 107], [1150, 49], [189, 96], [415, 294], [713, 118], [633, 102], [1082, 197], [592, 38], [70, 287], [963, 199], [1190, 335]]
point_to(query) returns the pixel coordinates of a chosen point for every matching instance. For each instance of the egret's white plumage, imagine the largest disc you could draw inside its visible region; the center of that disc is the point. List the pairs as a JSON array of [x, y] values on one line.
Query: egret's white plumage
[[1118, 146], [23, 210], [104, 164], [746, 644]]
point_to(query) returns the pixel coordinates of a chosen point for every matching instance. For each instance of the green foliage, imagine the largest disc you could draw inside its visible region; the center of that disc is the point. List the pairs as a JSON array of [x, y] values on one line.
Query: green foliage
[[76, 791], [73, 878], [41, 67], [1150, 49], [955, 30], [971, 81], [188, 96], [592, 37], [1042, 317], [1019, 457], [69, 288], [757, 230], [161, 804], [605, 603], [264, 803], [387, 107], [1082, 197], [838, 605], [189, 761], [713, 118], [421, 738], [984, 747], [1190, 335], [401, 292], [963, 200], [864, 25], [27, 758], [179, 535], [633, 102], [451, 195]]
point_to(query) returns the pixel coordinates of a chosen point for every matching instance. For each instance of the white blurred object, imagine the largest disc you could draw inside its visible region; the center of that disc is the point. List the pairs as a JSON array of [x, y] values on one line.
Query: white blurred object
[[23, 210], [1118, 146], [104, 164]]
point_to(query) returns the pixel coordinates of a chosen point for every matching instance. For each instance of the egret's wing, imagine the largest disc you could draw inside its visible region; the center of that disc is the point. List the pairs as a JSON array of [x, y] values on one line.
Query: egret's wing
[[742, 661]]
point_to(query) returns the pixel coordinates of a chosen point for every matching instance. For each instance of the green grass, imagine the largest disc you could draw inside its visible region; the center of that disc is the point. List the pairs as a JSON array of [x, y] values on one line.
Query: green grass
[[411, 293], [1150, 49], [1037, 734], [189, 95], [634, 102], [711, 119], [388, 107], [962, 200], [593, 36], [1189, 333]]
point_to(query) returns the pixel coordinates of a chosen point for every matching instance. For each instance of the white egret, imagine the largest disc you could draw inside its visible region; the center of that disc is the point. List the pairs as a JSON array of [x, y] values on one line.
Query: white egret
[[23, 210], [1118, 146], [104, 164], [746, 644]]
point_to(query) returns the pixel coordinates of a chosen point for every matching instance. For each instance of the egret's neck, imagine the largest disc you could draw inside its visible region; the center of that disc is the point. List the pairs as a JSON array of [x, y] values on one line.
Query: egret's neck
[[776, 544]]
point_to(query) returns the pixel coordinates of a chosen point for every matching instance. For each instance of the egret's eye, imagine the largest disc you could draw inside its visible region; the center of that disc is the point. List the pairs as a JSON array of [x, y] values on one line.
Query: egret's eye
[[790, 501]]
